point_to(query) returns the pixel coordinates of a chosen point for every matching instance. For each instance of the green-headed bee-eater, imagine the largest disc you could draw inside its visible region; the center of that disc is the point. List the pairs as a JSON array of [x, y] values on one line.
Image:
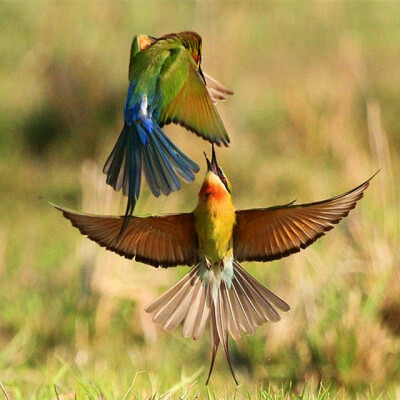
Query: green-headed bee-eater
[[214, 239], [166, 84], [216, 90]]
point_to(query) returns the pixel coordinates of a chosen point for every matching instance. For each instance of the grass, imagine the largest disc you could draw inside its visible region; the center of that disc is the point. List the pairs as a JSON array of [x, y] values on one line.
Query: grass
[[315, 113], [144, 386]]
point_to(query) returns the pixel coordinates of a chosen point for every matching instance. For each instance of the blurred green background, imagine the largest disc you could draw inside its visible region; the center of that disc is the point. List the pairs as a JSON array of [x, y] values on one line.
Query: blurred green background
[[316, 111]]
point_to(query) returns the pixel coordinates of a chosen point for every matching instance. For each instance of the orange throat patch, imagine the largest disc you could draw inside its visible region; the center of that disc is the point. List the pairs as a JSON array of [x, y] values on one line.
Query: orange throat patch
[[211, 190]]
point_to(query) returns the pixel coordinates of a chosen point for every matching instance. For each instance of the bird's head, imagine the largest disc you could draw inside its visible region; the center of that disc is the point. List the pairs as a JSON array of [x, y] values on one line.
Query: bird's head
[[192, 42], [215, 183]]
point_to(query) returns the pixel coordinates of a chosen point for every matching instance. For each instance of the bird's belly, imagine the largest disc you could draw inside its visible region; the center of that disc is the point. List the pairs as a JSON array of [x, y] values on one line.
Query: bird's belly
[[215, 251], [215, 238]]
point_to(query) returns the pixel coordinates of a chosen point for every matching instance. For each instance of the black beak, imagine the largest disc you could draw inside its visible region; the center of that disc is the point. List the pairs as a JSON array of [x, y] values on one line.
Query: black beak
[[213, 165], [209, 167], [202, 75]]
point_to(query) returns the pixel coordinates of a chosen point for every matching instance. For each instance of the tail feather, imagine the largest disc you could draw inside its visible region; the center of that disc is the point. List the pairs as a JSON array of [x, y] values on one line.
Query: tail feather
[[133, 174], [143, 143], [171, 293], [115, 161], [215, 343], [250, 307], [261, 309], [197, 316], [240, 305], [233, 324], [202, 316], [242, 317], [168, 315], [185, 167], [221, 321], [262, 290], [157, 172], [183, 306]]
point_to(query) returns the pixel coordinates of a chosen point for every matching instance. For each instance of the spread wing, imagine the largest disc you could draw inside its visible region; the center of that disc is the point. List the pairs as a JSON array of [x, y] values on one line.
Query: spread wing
[[164, 241], [276, 232], [191, 105]]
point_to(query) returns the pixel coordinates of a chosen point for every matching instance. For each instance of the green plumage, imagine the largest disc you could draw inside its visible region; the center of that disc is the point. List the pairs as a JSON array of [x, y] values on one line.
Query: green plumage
[[167, 73], [166, 85]]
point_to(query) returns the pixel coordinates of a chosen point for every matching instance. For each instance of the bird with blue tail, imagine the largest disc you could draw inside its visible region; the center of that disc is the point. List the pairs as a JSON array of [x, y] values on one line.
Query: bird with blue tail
[[214, 239], [166, 86]]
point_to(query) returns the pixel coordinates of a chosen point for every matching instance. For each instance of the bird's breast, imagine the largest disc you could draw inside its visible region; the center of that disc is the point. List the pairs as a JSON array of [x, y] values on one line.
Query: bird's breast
[[214, 222]]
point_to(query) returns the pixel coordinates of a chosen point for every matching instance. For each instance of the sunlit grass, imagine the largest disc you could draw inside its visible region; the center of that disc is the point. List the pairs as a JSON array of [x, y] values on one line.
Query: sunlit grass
[[72, 383], [315, 113]]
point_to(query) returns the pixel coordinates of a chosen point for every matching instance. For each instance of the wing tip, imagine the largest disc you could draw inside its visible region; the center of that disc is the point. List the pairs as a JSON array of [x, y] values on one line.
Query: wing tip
[[113, 243], [351, 198]]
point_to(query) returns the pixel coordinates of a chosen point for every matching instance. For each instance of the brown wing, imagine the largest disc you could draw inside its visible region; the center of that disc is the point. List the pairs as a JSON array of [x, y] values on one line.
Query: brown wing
[[164, 241], [272, 233]]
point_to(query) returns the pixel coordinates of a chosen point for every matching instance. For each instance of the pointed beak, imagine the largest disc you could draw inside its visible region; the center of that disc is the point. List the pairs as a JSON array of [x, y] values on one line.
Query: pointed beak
[[202, 75], [209, 167], [213, 165]]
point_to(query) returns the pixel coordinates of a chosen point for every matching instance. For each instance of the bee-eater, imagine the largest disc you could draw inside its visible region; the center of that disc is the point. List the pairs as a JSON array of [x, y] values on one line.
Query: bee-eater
[[214, 239], [166, 84]]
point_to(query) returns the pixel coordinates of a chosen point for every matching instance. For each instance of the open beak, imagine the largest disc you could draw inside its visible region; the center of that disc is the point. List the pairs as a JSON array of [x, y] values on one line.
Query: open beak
[[213, 165]]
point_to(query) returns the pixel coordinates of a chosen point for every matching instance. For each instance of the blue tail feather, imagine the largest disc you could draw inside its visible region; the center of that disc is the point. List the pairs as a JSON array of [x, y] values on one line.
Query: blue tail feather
[[139, 146], [185, 167], [155, 177], [165, 167], [115, 162], [133, 172]]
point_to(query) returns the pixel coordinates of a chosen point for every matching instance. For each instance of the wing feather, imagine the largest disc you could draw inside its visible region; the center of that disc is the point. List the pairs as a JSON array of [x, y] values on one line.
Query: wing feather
[[192, 106], [217, 91], [272, 233], [164, 241]]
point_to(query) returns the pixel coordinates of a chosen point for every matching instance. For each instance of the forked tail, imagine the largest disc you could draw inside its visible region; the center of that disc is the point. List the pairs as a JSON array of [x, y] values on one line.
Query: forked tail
[[143, 144], [234, 307]]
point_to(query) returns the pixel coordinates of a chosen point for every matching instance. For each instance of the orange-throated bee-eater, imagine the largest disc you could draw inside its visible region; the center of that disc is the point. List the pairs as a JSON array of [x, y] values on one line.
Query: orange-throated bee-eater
[[215, 238], [166, 84]]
